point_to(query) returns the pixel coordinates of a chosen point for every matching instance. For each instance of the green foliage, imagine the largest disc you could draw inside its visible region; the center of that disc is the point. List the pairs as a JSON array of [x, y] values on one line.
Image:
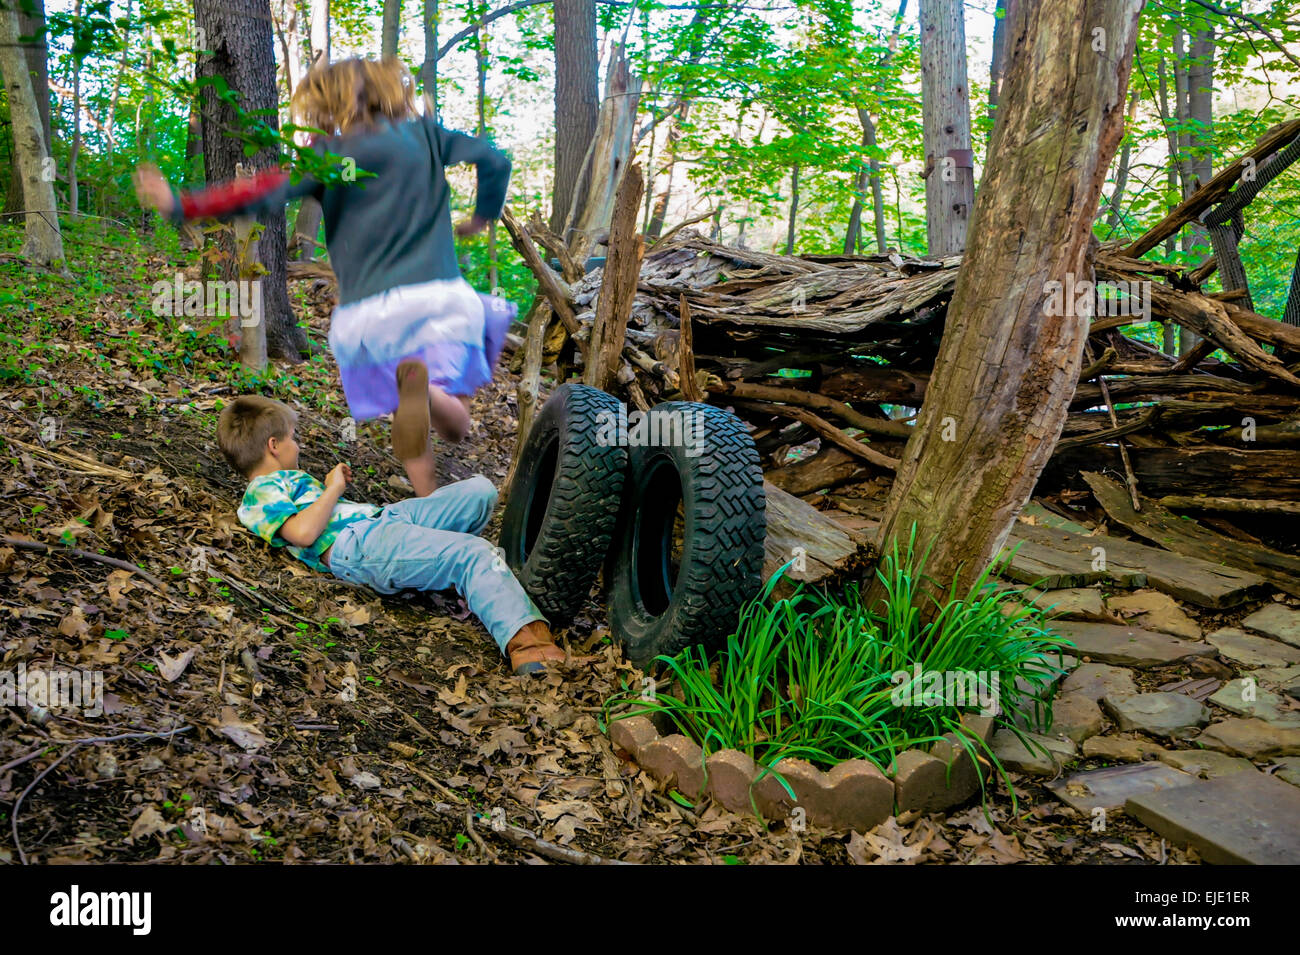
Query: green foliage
[[822, 677]]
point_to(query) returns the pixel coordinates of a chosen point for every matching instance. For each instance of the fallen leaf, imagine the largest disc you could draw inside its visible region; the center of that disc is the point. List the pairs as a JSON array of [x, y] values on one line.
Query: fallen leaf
[[173, 667]]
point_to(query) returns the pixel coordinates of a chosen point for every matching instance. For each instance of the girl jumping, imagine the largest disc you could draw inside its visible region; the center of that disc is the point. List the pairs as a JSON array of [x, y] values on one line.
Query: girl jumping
[[410, 336]]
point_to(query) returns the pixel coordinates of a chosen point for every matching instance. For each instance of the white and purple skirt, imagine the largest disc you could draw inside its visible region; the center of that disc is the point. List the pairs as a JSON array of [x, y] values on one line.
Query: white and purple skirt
[[457, 332]]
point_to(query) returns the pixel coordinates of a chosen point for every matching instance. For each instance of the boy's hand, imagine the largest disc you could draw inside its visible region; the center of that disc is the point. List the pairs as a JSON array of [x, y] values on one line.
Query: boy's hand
[[474, 224], [152, 189], [338, 478]]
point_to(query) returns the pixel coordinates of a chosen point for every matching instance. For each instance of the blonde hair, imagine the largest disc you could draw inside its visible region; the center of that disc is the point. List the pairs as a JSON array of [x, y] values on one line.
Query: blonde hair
[[246, 424], [348, 94]]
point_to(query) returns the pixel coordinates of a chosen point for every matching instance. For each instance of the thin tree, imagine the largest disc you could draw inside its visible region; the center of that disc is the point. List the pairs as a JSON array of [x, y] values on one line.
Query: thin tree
[[945, 106], [577, 99], [43, 243], [31, 31], [392, 27], [242, 54]]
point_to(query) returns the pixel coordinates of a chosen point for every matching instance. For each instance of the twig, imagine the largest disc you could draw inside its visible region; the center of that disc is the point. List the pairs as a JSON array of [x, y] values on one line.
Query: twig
[[473, 834], [85, 554], [1123, 448], [18, 843], [524, 839], [76, 744]]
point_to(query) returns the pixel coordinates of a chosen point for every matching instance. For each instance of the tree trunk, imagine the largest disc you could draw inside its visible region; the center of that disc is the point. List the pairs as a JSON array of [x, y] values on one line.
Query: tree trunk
[[74, 196], [429, 71], [794, 209], [481, 65], [1121, 171], [320, 31], [1199, 91], [242, 42], [660, 212], [36, 53], [945, 105], [997, 61], [306, 226], [43, 244], [392, 26], [577, 99], [1008, 363]]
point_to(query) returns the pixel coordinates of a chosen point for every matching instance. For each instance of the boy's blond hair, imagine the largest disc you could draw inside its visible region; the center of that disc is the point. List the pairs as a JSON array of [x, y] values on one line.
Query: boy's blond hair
[[337, 97], [246, 424]]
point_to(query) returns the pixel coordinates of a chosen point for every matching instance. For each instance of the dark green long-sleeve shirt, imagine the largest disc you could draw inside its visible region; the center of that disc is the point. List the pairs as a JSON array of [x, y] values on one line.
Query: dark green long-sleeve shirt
[[390, 230]]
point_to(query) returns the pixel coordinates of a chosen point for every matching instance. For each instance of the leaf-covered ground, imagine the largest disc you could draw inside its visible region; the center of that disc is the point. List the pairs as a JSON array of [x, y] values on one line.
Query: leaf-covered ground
[[301, 719]]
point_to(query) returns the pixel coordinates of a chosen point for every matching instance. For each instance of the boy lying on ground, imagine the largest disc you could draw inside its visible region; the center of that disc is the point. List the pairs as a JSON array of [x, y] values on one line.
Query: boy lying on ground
[[421, 543]]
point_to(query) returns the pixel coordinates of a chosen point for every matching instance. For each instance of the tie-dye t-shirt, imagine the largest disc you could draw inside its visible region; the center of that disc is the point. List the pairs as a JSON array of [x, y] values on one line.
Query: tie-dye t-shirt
[[271, 499]]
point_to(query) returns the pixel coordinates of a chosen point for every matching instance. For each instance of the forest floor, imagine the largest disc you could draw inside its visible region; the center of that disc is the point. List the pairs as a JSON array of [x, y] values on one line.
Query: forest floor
[[324, 723]]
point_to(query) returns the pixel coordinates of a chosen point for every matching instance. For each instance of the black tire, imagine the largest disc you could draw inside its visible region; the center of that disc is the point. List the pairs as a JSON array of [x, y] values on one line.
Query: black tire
[[563, 502], [658, 609]]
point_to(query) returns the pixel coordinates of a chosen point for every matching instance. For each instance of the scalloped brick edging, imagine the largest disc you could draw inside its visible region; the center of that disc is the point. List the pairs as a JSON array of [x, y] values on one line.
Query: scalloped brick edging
[[852, 795]]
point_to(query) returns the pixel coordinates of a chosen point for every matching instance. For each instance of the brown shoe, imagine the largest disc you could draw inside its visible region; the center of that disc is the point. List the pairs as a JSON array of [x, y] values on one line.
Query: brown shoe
[[532, 648]]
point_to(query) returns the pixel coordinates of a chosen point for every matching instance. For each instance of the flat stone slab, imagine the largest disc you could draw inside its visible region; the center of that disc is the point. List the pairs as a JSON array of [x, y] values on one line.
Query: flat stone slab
[[1112, 787], [1252, 738], [1242, 819], [1129, 646], [1288, 770], [1252, 651], [1082, 603], [1063, 559], [1095, 680], [1283, 677], [1277, 621], [1206, 763], [1120, 749], [1153, 610], [1076, 717], [1246, 697], [1170, 715], [1017, 757]]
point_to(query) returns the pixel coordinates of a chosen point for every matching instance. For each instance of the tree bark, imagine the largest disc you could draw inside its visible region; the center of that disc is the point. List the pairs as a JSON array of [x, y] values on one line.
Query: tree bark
[[577, 100], [997, 61], [618, 290], [43, 244], [306, 226], [36, 54], [945, 105], [429, 71], [242, 42], [1008, 362], [391, 29], [74, 190], [1121, 171], [794, 209], [320, 31], [1200, 109]]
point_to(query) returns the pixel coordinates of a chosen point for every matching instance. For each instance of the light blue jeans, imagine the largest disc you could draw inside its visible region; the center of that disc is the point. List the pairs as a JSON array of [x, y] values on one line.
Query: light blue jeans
[[431, 543]]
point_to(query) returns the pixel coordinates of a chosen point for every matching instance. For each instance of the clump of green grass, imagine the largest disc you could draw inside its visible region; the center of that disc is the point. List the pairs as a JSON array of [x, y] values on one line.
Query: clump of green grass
[[818, 675]]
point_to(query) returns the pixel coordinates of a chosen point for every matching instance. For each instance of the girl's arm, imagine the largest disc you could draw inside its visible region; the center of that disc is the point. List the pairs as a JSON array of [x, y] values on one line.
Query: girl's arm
[[263, 192], [493, 167]]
